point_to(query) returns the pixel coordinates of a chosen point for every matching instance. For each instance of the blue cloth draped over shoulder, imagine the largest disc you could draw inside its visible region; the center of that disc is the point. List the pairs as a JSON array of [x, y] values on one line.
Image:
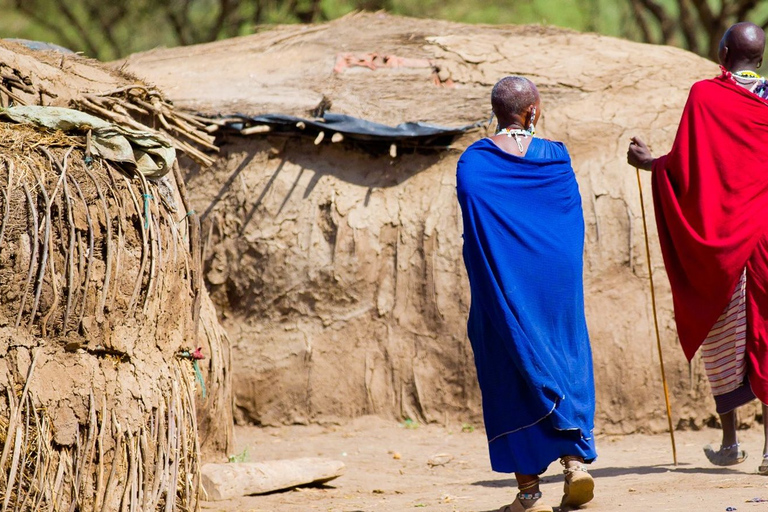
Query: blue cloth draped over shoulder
[[523, 250]]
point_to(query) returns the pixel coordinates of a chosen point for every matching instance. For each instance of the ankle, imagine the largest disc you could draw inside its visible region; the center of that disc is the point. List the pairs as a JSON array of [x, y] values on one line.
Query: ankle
[[571, 461], [528, 499], [529, 488]]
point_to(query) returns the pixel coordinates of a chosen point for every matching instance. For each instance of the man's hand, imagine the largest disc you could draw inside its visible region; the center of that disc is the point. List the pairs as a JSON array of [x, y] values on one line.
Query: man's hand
[[638, 155]]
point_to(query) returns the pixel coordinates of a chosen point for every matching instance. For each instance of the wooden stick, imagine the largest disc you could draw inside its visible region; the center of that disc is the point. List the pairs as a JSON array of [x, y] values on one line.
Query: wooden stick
[[33, 258], [107, 243], [120, 230], [91, 242], [144, 248], [14, 468], [195, 248], [70, 257], [152, 238], [46, 243], [259, 128], [655, 319], [6, 210]]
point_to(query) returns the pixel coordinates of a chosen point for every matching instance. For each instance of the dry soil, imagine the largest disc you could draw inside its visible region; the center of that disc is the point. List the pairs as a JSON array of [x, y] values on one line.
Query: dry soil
[[389, 467]]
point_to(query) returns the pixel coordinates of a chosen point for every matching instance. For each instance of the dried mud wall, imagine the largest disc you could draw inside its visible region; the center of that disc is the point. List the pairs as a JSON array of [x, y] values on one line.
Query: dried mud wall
[[338, 274], [101, 407], [98, 408]]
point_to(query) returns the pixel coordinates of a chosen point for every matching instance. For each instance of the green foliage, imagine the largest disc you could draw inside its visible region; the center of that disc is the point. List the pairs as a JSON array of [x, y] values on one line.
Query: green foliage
[[110, 30], [240, 457], [115, 28]]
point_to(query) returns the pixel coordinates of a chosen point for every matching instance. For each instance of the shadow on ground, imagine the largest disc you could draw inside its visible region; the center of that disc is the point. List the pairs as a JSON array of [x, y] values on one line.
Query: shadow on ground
[[621, 471]]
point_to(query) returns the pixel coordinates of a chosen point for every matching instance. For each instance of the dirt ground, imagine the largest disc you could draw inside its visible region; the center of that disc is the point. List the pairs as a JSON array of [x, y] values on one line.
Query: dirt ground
[[390, 467]]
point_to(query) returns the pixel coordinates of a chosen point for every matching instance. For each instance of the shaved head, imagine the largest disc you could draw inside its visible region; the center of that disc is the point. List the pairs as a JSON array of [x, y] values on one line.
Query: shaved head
[[512, 95], [742, 47]]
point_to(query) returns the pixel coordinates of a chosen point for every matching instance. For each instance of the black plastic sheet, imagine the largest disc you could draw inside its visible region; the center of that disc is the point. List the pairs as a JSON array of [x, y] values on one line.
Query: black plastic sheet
[[412, 134]]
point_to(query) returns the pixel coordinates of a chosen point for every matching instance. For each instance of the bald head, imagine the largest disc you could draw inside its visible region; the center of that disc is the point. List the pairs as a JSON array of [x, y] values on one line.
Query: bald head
[[742, 47], [512, 96]]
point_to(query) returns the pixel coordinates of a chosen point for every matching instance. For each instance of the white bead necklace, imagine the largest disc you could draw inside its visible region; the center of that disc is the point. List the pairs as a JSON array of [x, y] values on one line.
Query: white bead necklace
[[516, 134]]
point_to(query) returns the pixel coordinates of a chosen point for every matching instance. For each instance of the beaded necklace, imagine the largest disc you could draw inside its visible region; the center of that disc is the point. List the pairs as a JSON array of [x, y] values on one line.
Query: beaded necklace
[[747, 74], [516, 134]]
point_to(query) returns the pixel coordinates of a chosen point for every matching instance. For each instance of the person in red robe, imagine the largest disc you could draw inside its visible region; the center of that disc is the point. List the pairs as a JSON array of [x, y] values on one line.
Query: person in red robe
[[711, 199]]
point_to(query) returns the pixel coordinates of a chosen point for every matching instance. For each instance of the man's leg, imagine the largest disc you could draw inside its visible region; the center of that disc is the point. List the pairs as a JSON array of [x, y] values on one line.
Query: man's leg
[[765, 429], [729, 452], [728, 421], [763, 468], [529, 495], [528, 484]]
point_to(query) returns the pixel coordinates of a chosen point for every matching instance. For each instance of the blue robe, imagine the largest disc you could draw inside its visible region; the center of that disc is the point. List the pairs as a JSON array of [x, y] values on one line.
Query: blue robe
[[523, 250]]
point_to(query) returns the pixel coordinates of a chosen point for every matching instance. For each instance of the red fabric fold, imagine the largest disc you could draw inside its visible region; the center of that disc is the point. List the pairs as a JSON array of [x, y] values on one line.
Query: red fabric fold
[[711, 200]]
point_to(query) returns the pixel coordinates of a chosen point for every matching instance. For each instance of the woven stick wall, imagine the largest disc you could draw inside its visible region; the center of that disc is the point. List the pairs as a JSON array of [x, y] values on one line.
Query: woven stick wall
[[101, 306]]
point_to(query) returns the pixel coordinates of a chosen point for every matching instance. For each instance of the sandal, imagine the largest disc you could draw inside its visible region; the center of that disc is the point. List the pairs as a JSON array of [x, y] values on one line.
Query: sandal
[[727, 455], [532, 502], [579, 487], [763, 468]]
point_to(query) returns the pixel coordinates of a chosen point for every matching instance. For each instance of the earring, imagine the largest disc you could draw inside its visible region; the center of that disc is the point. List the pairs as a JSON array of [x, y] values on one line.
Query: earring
[[531, 127], [490, 120]]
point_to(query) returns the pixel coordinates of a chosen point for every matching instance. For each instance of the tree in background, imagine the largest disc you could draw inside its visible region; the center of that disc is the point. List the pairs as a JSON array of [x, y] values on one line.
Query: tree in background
[[696, 25], [112, 29]]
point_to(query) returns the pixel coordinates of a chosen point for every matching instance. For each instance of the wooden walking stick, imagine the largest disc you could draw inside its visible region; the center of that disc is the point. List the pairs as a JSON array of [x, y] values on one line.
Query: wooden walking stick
[[655, 318]]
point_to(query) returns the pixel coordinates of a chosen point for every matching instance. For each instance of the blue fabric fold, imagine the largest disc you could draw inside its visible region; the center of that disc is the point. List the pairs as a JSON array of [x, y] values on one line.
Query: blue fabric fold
[[523, 250]]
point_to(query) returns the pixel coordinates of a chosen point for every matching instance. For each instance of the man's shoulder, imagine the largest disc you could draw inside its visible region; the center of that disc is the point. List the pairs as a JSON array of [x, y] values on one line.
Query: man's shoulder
[[716, 86], [553, 142], [475, 148], [706, 85], [722, 92], [556, 148]]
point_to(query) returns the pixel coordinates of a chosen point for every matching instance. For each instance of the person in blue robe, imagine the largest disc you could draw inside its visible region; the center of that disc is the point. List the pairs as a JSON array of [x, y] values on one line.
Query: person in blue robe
[[523, 251]]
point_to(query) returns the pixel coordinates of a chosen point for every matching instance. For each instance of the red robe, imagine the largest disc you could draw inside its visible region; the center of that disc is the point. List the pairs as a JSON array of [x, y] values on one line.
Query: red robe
[[711, 199]]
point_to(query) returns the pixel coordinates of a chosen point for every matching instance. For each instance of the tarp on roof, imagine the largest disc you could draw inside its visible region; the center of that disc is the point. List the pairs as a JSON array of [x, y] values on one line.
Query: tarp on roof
[[39, 45], [411, 134], [150, 153]]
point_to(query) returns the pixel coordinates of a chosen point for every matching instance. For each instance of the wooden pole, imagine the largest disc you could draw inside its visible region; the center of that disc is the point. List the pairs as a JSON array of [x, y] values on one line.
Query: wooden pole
[[655, 318]]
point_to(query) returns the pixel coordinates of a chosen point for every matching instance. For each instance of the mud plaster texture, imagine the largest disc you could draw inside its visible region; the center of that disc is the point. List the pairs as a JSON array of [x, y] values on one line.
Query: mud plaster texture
[[96, 301], [338, 273]]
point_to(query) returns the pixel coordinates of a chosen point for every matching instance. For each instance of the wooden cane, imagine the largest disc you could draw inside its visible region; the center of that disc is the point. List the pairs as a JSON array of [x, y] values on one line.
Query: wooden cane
[[655, 317]]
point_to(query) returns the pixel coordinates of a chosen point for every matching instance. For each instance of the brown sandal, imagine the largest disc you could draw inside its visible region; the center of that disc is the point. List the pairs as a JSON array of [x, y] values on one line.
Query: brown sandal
[[579, 487], [726, 455], [517, 506], [763, 468]]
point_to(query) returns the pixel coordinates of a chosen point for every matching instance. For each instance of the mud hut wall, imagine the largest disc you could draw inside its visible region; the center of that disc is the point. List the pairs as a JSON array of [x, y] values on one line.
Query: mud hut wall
[[341, 283], [338, 274]]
